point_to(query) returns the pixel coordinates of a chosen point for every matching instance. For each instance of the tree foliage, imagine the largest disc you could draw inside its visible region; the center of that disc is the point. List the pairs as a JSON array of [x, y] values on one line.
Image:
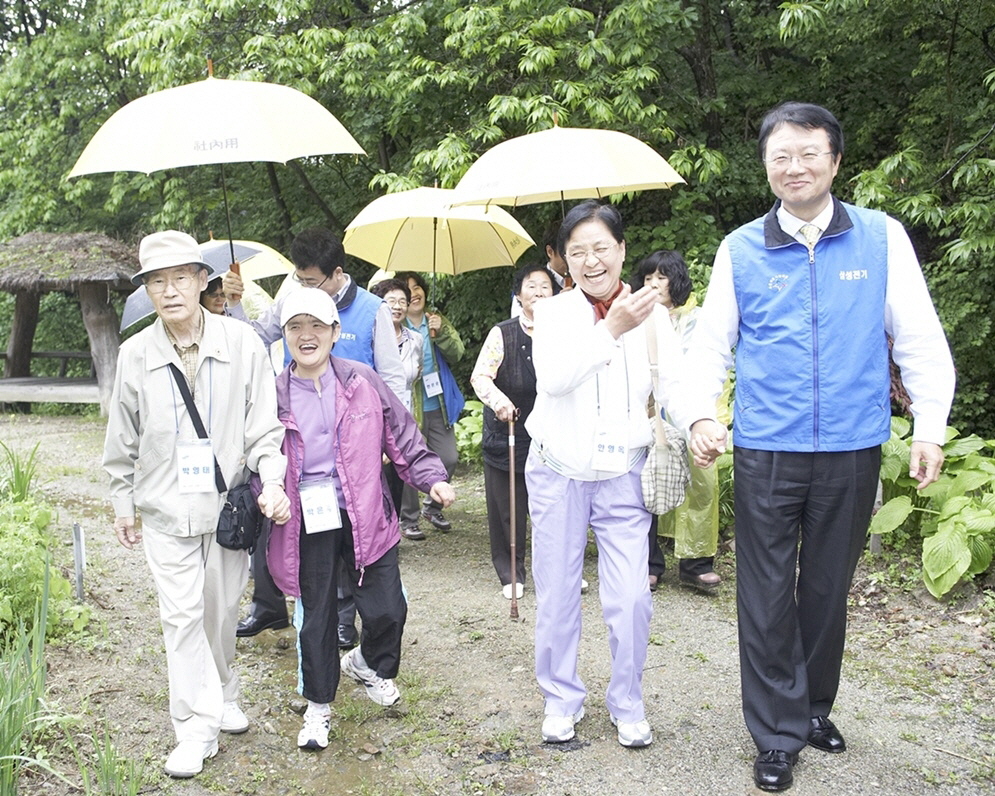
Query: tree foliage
[[426, 86]]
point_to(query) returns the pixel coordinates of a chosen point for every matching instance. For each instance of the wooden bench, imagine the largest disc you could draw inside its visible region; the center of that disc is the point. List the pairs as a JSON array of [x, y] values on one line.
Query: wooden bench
[[52, 389]]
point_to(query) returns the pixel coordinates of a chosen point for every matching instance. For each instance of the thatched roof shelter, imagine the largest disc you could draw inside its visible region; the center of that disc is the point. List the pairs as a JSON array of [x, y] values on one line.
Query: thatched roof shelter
[[46, 261], [86, 263]]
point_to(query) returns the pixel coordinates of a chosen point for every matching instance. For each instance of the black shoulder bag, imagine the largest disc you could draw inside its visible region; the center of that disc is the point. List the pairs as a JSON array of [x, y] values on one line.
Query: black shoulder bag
[[240, 521]]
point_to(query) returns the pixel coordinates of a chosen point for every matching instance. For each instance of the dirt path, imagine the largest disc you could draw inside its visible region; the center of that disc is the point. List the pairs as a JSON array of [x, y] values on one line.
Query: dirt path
[[917, 702]]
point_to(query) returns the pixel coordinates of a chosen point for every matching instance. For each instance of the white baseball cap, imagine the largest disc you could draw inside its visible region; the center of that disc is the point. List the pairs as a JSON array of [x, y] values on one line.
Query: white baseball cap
[[309, 301]]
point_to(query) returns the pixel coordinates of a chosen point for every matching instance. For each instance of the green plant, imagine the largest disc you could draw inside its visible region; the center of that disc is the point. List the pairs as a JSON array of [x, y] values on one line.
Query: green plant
[[470, 433], [25, 577], [112, 774], [18, 473], [955, 516]]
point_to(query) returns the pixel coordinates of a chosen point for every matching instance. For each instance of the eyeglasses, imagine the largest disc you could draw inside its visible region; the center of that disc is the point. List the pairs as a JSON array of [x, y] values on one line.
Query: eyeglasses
[[309, 282], [579, 256], [805, 159], [396, 302], [157, 284]]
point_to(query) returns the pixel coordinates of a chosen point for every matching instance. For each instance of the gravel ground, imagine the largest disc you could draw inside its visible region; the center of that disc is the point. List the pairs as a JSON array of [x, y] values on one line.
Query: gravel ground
[[916, 702]]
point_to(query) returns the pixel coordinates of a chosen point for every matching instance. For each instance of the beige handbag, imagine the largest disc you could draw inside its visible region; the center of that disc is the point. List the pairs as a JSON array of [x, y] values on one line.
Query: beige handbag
[[666, 474]]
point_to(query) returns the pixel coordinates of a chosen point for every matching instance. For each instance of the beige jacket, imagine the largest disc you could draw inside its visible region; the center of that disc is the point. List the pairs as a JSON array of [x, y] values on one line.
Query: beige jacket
[[236, 398]]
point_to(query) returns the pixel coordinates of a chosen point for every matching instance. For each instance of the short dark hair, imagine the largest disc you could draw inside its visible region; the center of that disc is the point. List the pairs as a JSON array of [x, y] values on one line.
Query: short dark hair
[[384, 286], [318, 247], [523, 273], [801, 114], [591, 210], [213, 286], [404, 276], [549, 235], [668, 263]]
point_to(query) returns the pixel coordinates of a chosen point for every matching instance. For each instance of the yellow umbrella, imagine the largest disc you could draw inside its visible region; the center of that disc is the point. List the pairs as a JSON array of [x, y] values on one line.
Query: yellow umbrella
[[563, 163], [257, 260], [419, 230]]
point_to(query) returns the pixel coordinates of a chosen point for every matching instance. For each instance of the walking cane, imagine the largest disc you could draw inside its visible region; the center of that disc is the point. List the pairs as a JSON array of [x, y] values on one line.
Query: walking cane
[[513, 523]]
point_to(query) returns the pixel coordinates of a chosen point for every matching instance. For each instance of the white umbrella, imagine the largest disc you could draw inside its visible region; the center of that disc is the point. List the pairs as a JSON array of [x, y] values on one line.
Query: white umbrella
[[563, 163]]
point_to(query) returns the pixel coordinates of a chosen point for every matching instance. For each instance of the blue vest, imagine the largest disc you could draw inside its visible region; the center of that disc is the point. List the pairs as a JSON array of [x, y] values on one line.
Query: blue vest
[[812, 355], [356, 340]]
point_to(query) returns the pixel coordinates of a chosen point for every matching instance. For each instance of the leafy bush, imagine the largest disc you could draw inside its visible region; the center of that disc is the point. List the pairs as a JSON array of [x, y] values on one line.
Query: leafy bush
[[954, 517], [470, 433]]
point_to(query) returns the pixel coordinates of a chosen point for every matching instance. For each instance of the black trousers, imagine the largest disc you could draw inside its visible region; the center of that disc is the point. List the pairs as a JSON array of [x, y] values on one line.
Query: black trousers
[[378, 598], [267, 599], [657, 560], [808, 511], [497, 488]]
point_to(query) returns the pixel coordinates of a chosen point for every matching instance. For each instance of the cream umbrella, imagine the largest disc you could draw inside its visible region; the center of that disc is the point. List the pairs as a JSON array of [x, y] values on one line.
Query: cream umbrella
[[563, 163], [214, 121]]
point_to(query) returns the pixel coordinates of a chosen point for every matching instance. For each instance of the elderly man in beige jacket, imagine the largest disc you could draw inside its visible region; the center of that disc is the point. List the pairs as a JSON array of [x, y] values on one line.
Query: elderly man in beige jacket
[[159, 467]]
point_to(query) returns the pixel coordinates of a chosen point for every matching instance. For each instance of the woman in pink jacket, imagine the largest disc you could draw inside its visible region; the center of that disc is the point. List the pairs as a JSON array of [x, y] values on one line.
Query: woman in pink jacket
[[335, 411]]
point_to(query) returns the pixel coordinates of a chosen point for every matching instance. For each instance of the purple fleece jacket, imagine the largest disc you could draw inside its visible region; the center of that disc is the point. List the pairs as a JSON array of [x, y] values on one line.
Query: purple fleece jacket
[[369, 421]]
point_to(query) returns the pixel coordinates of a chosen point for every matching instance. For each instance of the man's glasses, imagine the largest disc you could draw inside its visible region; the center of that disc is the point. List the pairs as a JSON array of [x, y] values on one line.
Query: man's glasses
[[309, 282], [805, 159], [157, 284]]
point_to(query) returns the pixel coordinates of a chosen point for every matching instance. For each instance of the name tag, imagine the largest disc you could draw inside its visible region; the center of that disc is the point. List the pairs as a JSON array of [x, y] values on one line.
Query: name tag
[[432, 384], [320, 506], [195, 466], [611, 451]]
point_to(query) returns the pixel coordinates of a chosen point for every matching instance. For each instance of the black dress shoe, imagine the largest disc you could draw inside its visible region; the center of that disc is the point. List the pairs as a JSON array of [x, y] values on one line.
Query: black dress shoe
[[772, 770], [823, 735], [347, 637], [253, 625]]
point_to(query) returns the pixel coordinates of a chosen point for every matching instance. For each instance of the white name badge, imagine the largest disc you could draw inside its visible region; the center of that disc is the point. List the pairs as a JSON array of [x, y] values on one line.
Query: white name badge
[[320, 506], [432, 384], [195, 466], [611, 451]]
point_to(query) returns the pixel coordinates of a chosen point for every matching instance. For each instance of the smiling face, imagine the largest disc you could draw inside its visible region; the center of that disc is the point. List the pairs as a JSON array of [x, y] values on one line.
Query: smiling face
[[398, 304], [416, 308], [804, 182], [310, 342], [175, 293], [595, 258]]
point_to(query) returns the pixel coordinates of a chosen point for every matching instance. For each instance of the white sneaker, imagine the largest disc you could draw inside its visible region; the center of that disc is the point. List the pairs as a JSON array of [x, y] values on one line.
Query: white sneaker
[[633, 734], [506, 590], [187, 759], [380, 689], [557, 729], [583, 586], [314, 733], [233, 720]]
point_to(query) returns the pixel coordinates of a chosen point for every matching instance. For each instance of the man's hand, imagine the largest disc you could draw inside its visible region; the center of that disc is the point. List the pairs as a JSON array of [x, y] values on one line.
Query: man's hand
[[708, 441], [274, 503], [124, 529], [443, 493], [925, 461], [630, 309], [231, 284]]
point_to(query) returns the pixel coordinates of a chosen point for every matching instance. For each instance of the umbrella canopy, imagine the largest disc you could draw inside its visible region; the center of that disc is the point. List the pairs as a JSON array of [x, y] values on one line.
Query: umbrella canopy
[[419, 230], [214, 121], [257, 260], [563, 163]]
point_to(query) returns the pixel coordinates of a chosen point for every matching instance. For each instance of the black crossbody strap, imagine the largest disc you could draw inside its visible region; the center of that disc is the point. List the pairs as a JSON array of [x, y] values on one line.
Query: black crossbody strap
[[198, 424]]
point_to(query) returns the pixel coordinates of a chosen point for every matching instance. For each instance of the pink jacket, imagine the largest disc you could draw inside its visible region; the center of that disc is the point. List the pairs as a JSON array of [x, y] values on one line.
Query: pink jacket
[[366, 411]]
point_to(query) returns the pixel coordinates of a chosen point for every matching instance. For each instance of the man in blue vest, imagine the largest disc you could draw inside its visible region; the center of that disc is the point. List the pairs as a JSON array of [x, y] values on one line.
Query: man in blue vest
[[808, 296], [367, 336]]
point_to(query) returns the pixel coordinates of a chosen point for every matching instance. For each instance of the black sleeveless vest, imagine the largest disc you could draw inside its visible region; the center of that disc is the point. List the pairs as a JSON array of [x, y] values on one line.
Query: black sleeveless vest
[[516, 378]]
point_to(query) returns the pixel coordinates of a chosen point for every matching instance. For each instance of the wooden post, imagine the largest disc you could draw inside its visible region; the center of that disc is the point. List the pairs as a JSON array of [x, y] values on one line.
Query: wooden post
[[101, 323], [22, 339]]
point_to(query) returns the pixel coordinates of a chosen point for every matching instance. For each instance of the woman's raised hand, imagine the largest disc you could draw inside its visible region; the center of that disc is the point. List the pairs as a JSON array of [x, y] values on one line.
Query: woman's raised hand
[[630, 309]]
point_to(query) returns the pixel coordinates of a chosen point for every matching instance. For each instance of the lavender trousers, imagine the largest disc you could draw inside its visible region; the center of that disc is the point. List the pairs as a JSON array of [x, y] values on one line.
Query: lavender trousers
[[562, 509]]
